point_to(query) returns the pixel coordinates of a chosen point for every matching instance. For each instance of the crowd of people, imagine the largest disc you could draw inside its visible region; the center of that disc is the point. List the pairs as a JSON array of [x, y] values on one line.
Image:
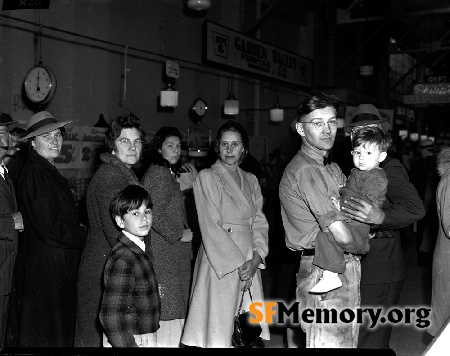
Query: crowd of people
[[135, 276]]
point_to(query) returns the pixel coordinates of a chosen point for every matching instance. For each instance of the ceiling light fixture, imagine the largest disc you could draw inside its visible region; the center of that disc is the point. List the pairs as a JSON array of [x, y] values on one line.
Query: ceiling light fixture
[[169, 97], [366, 71], [231, 104], [276, 114], [199, 5]]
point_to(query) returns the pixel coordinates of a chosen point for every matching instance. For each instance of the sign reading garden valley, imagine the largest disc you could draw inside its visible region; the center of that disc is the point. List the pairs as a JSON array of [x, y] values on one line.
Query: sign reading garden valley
[[227, 47]]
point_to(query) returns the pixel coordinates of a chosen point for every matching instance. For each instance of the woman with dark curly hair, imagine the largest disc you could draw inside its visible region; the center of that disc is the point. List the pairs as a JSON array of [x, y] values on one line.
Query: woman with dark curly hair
[[171, 238], [124, 140]]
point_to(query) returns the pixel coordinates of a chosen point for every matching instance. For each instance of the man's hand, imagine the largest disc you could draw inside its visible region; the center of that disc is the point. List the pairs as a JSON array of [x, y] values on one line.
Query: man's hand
[[363, 211]]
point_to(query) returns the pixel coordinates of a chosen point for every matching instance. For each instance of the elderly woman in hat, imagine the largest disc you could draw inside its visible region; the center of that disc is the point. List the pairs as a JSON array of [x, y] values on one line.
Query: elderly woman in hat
[[53, 240], [124, 140]]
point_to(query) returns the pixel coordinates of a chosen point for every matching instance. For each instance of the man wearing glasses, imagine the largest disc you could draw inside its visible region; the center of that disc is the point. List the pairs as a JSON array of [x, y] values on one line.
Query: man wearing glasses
[[307, 185]]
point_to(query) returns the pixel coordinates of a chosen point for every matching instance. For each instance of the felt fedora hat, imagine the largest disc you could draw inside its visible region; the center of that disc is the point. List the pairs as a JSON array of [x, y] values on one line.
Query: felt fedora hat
[[42, 122], [367, 114], [6, 120]]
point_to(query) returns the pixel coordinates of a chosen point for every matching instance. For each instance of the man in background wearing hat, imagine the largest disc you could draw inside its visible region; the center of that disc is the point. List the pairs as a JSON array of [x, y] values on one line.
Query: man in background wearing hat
[[383, 267], [10, 224], [17, 156]]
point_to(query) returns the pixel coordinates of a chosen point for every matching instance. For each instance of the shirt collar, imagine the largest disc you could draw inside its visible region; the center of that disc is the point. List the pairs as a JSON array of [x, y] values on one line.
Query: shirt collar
[[312, 152], [135, 239]]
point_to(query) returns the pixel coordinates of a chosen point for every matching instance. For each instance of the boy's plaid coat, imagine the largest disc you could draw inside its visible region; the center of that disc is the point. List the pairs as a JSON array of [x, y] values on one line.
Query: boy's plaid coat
[[131, 303]]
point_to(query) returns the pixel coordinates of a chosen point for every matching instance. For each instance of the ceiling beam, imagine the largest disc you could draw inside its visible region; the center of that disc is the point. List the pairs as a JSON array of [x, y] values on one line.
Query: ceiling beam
[[361, 48], [262, 19], [347, 20]]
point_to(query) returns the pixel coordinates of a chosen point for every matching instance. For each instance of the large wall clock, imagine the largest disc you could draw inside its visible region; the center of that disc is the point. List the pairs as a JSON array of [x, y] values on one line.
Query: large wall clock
[[199, 108], [40, 84]]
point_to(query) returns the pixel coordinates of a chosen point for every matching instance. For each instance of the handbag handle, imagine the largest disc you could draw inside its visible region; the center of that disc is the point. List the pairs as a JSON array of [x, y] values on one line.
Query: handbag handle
[[242, 299]]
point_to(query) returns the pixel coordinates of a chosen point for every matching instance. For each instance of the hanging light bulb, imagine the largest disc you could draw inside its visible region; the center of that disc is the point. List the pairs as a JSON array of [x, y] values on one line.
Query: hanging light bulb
[[169, 96], [366, 71], [199, 5], [231, 105], [276, 114]]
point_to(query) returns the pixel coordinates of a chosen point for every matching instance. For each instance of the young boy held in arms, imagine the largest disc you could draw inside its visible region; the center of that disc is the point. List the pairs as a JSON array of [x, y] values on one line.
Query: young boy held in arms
[[369, 149]]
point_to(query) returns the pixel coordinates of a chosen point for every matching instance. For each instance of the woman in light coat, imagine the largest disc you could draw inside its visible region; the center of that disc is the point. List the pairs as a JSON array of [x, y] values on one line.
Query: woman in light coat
[[234, 243]]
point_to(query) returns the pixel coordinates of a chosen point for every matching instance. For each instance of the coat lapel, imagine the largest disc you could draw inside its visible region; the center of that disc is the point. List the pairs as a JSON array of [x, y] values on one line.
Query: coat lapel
[[230, 186], [8, 193]]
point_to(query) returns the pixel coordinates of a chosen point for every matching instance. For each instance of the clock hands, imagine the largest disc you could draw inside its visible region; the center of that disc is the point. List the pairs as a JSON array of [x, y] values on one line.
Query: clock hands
[[38, 77]]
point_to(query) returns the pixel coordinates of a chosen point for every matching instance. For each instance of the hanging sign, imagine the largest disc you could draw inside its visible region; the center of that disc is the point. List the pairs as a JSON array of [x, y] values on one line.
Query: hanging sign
[[172, 69], [429, 93], [81, 144], [233, 49], [436, 78], [25, 4]]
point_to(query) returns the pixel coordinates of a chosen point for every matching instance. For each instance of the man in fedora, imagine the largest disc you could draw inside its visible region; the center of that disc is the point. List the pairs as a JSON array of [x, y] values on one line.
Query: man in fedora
[[10, 224], [383, 267]]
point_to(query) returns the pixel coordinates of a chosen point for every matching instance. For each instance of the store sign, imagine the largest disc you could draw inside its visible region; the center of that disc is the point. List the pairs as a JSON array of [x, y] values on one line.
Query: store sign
[[80, 147], [25, 4], [429, 93], [436, 78], [233, 49], [432, 89]]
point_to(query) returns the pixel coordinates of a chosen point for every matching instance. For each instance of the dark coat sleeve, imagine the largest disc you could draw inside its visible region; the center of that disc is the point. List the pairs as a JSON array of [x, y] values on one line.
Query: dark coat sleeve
[[403, 205], [7, 230]]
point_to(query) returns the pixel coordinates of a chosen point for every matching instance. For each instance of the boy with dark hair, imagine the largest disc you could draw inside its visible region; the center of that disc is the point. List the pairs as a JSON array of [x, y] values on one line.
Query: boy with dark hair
[[369, 149], [131, 306]]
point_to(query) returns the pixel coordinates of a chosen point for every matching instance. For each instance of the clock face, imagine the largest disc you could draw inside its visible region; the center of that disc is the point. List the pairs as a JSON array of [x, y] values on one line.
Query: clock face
[[40, 84], [199, 107]]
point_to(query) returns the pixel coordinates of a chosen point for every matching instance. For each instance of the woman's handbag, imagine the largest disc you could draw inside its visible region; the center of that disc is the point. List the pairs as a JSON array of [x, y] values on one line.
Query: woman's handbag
[[245, 333]]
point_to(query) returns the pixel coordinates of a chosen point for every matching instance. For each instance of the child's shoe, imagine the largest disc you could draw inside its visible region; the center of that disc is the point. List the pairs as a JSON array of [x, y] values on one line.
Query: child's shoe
[[328, 282]]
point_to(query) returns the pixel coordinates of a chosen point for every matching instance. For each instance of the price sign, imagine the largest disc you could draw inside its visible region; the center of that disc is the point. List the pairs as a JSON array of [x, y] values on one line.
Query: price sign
[[172, 69], [69, 156], [88, 154]]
